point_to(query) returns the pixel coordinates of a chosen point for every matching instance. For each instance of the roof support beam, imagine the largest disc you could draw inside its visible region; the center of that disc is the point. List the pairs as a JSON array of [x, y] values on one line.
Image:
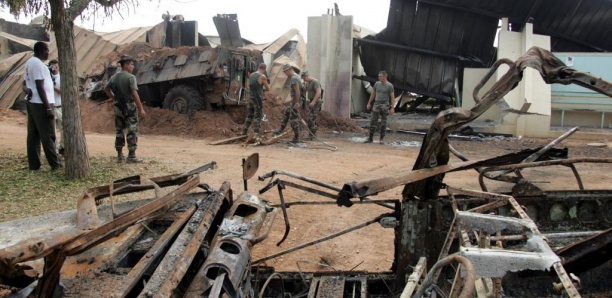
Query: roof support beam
[[571, 39], [419, 50], [460, 8], [534, 8]]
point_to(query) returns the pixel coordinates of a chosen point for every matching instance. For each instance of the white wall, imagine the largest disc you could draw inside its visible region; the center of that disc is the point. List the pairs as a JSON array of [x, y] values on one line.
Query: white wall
[[531, 95]]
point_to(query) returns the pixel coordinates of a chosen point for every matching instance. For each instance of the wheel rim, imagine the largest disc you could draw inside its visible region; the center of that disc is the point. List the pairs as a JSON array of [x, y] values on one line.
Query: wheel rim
[[179, 105]]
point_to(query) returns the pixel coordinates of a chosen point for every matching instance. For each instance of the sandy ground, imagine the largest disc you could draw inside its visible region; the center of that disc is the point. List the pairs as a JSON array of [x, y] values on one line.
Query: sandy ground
[[370, 248]]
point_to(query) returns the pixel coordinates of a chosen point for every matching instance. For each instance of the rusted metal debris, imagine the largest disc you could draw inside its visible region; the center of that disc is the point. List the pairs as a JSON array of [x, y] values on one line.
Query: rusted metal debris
[[227, 267], [88, 221], [588, 253], [435, 151]]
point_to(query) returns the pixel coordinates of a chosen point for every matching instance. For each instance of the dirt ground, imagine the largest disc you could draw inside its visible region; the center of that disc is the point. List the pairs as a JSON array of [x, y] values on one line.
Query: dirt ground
[[182, 144]]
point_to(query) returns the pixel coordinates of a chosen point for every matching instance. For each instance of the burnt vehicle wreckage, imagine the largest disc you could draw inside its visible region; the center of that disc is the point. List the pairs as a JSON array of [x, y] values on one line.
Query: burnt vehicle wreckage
[[464, 243]]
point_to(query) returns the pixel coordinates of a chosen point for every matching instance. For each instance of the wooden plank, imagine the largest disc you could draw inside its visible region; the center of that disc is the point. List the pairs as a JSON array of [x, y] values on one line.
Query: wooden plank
[[229, 140]]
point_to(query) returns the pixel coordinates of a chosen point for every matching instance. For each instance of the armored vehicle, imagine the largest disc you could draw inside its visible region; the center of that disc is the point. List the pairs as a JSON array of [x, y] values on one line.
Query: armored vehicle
[[188, 79]]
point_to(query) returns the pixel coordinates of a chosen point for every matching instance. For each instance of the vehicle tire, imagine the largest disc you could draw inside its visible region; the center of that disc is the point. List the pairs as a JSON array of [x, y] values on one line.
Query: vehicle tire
[[184, 99]]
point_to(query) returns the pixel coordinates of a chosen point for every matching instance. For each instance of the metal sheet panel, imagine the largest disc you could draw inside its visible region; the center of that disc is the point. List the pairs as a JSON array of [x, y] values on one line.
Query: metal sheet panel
[[427, 43], [127, 36]]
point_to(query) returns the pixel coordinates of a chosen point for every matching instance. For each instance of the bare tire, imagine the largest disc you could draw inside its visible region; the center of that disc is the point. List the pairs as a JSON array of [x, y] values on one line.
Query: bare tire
[[184, 99]]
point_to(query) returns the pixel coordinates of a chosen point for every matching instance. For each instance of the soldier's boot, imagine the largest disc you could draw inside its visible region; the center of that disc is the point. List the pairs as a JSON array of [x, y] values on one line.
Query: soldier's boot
[[120, 157], [382, 137], [279, 131], [296, 139], [312, 134], [132, 157], [370, 138]]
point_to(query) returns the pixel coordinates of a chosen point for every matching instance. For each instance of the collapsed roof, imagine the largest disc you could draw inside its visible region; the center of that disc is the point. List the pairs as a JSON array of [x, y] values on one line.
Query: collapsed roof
[[426, 44]]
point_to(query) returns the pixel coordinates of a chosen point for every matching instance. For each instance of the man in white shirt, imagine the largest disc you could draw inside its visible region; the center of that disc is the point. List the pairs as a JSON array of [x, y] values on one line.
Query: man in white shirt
[[59, 123], [40, 108]]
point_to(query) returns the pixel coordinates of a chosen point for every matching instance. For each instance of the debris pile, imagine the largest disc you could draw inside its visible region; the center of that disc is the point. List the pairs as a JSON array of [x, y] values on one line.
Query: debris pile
[[98, 117]]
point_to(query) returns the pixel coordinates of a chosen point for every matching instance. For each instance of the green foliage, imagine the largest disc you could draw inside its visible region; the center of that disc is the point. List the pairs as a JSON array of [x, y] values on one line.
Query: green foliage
[[27, 7], [25, 193]]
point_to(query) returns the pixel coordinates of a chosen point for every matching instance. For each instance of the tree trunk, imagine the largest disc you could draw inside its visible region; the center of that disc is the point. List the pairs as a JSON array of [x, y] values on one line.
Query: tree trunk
[[76, 155]]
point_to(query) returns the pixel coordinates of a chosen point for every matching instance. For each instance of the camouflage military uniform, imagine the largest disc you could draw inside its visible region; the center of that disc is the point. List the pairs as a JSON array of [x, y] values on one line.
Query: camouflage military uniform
[[381, 108], [126, 114], [311, 89], [291, 113], [255, 105], [126, 125]]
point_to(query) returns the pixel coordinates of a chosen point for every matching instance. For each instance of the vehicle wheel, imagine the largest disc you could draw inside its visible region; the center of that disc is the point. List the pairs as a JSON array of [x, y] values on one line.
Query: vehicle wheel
[[184, 99]]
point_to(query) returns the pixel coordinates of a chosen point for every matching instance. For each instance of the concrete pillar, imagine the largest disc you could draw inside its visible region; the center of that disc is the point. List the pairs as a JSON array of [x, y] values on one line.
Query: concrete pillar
[[330, 55], [526, 110]]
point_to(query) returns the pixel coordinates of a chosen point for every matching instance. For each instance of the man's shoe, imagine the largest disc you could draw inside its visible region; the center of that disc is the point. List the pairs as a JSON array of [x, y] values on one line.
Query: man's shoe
[[134, 159], [381, 141], [310, 138], [295, 141], [59, 166], [369, 140], [120, 158]]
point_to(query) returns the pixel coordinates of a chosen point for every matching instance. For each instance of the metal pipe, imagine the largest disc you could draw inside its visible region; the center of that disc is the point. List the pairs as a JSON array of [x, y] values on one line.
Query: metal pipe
[[297, 176], [549, 163], [470, 279], [289, 204], [418, 50], [549, 236], [488, 75], [284, 208], [310, 180], [535, 156], [328, 237]]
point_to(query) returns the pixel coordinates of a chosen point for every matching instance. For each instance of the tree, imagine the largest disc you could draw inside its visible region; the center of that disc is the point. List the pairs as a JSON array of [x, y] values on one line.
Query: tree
[[62, 16]]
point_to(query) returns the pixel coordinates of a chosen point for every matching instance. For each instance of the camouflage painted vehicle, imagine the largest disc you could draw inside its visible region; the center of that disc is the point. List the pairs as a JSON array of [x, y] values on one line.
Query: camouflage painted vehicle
[[188, 79]]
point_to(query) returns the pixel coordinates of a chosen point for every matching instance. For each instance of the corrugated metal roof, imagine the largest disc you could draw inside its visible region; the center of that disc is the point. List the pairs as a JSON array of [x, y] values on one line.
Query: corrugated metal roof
[[427, 43], [126, 36], [89, 45]]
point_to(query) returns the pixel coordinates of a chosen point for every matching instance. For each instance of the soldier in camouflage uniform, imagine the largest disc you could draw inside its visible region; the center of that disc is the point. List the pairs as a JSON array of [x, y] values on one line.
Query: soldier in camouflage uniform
[[123, 90], [315, 101], [383, 96], [292, 113], [287, 112], [257, 84]]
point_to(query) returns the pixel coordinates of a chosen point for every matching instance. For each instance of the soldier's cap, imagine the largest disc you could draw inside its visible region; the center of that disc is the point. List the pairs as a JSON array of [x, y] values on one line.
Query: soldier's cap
[[304, 74], [286, 67], [125, 58]]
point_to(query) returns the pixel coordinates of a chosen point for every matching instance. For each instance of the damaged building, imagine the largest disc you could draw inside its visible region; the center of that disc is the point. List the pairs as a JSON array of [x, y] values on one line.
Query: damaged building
[[195, 239], [436, 52]]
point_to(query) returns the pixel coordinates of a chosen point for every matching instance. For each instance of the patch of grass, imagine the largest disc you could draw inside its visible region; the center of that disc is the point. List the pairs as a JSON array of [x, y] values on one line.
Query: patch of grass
[[25, 193]]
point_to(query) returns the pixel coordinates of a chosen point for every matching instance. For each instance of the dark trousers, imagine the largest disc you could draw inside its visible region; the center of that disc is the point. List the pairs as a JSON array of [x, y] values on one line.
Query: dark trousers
[[41, 130]]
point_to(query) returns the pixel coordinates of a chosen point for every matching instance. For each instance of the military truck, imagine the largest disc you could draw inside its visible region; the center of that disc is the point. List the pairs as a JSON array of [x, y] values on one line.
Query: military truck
[[188, 79]]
